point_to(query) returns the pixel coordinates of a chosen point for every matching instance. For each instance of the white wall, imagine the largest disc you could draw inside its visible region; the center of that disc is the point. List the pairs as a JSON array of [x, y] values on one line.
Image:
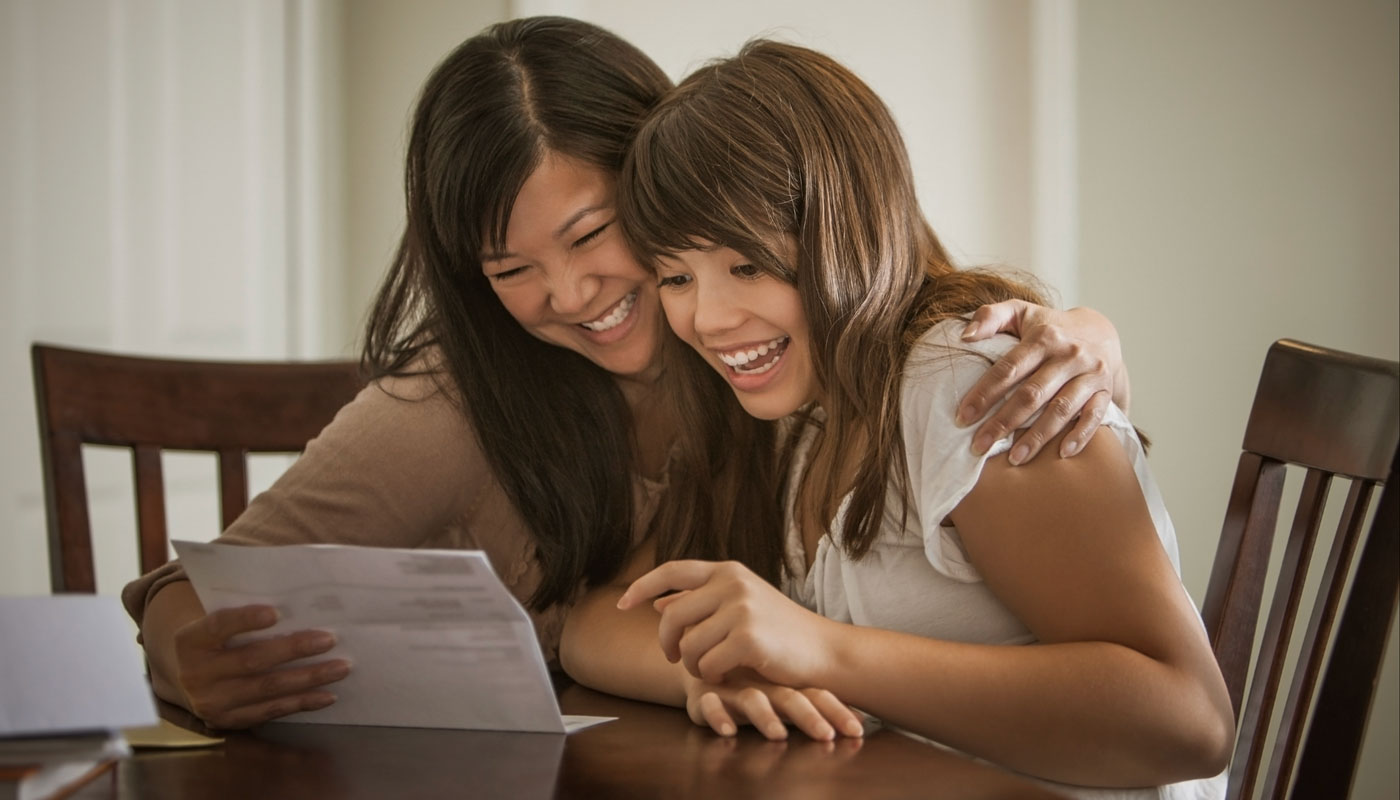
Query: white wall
[[158, 194], [1239, 182], [388, 51]]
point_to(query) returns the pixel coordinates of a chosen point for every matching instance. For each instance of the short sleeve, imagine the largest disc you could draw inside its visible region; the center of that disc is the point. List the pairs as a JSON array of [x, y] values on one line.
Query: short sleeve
[[942, 467]]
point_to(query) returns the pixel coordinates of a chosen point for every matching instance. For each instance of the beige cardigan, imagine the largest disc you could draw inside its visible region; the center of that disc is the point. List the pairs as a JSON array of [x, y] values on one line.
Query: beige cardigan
[[399, 466]]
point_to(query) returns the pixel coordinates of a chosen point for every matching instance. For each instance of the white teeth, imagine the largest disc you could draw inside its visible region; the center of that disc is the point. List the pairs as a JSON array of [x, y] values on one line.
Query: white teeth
[[741, 357], [615, 318]]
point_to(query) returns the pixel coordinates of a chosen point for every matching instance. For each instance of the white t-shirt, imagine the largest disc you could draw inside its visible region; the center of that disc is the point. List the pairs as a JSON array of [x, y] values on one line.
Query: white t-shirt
[[917, 578]]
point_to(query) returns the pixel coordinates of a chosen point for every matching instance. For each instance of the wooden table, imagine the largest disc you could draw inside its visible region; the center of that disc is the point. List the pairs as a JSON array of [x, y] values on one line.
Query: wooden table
[[648, 752]]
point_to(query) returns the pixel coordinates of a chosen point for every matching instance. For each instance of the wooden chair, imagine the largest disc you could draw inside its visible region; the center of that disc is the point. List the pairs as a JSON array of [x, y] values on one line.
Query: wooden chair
[[1334, 414], [154, 404]]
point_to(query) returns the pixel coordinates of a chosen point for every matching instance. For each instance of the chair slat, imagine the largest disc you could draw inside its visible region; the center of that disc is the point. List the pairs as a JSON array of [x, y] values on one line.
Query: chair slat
[[233, 483], [150, 506], [1278, 628], [1236, 587], [1327, 765], [70, 541], [1305, 671]]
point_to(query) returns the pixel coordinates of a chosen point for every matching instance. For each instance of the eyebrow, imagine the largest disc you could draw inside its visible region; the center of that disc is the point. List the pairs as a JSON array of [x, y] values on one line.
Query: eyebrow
[[573, 219]]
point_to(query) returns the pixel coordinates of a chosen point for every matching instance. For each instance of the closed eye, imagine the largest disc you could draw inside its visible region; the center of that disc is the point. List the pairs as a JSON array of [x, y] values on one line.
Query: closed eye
[[591, 235], [510, 273]]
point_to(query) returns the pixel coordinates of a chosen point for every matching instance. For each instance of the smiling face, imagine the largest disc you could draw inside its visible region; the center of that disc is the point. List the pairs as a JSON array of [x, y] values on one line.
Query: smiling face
[[748, 324], [566, 273]]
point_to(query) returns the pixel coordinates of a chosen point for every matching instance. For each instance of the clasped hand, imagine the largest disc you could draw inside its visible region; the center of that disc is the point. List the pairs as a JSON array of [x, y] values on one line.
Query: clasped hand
[[753, 653]]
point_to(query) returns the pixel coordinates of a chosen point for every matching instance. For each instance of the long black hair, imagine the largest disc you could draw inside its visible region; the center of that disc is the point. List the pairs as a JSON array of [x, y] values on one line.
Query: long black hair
[[554, 426]]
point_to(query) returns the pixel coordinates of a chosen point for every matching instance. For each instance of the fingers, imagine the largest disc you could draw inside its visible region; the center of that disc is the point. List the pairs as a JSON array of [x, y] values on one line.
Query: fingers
[[270, 686], [990, 320], [1086, 426], [660, 604], [815, 712], [1059, 389], [1055, 417], [692, 609], [756, 708], [999, 379], [268, 654], [245, 684], [253, 699], [714, 714], [248, 716], [213, 630], [669, 577], [835, 712], [798, 708]]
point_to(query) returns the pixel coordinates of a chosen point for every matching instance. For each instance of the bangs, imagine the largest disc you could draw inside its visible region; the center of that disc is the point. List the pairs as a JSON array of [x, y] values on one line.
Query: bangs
[[687, 184], [496, 198]]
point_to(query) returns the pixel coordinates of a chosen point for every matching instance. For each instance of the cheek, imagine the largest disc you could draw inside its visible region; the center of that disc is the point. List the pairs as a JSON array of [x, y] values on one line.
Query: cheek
[[614, 258], [678, 315], [517, 304]]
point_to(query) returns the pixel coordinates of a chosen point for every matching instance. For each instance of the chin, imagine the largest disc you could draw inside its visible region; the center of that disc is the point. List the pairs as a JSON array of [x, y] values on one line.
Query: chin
[[629, 364], [766, 411]]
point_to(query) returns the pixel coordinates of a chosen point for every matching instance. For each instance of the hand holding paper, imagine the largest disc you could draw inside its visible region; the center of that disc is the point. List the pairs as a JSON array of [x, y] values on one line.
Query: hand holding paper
[[435, 640]]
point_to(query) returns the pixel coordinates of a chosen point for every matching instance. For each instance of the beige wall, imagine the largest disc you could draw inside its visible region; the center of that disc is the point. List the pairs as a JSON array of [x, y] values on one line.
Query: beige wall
[[389, 49], [1239, 184]]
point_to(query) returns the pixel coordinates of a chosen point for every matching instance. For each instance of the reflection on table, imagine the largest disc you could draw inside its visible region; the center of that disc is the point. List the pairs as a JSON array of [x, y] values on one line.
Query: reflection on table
[[649, 751]]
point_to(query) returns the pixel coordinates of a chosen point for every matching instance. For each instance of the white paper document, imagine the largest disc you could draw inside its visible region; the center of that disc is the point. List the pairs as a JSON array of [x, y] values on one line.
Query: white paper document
[[433, 637], [68, 663]]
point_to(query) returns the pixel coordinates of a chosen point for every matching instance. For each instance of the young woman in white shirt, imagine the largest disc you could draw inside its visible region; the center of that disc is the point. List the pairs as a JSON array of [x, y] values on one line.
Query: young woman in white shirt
[[1031, 615]]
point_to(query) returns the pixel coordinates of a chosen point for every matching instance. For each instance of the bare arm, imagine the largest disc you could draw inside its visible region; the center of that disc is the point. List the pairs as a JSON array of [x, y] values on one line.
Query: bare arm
[[1123, 667], [616, 651], [1123, 689]]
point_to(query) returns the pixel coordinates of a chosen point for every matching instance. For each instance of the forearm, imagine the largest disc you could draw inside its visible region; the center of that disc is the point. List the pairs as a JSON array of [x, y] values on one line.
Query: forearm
[[172, 607], [617, 651], [1091, 713]]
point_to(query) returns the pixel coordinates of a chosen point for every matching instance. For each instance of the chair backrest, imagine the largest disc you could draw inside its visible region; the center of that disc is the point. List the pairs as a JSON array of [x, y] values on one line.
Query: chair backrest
[[1333, 414], [155, 404]]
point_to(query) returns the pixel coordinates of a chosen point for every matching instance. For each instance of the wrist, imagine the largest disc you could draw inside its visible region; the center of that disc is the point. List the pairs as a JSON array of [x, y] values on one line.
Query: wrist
[[835, 653]]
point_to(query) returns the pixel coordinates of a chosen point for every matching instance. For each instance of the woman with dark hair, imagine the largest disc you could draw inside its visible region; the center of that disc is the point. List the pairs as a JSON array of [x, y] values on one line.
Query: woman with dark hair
[[1029, 615], [513, 350]]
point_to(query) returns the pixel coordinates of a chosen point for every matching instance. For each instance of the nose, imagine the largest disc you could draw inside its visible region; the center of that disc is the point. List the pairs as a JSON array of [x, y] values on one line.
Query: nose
[[572, 288], [717, 310]]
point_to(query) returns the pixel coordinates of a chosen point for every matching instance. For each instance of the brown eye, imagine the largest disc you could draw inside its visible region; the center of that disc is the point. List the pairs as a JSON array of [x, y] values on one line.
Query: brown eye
[[746, 271]]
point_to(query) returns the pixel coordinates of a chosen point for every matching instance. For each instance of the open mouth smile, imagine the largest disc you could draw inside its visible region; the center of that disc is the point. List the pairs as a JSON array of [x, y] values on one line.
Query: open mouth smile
[[755, 360], [613, 318]]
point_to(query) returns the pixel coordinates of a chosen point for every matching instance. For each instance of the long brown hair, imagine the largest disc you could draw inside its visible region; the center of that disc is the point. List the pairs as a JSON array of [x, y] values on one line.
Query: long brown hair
[[783, 141], [554, 427]]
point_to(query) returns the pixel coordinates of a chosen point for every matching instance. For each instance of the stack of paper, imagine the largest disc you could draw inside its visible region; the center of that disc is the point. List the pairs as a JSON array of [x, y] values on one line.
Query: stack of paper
[[71, 678]]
